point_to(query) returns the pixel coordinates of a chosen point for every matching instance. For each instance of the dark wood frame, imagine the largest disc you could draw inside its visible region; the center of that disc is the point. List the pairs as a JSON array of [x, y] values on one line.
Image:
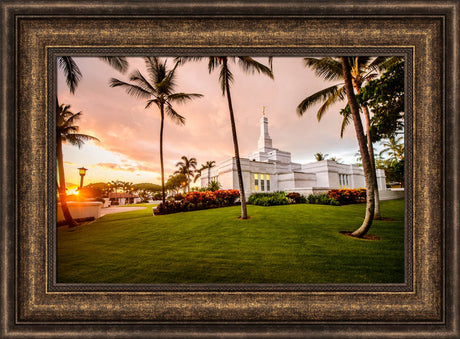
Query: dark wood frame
[[32, 305]]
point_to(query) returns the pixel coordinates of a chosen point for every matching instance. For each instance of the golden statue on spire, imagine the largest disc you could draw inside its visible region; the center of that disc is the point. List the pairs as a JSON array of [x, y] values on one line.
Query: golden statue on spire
[[263, 110]]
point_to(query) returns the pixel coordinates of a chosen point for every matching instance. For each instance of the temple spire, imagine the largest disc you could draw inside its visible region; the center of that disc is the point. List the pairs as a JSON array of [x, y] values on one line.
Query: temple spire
[[265, 142]]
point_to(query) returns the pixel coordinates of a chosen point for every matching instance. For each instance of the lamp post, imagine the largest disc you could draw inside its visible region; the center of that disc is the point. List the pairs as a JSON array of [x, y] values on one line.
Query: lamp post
[[82, 174], [184, 183]]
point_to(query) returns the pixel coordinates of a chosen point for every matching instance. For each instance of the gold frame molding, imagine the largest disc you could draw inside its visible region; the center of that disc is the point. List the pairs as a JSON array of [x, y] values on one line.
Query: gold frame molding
[[32, 35]]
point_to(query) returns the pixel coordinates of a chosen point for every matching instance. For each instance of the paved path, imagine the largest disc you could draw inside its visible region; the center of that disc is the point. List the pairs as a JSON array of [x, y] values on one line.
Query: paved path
[[119, 209]]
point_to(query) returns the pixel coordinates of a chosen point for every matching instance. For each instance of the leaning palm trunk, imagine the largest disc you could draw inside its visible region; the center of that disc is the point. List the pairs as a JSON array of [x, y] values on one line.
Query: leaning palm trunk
[[61, 187], [372, 158], [163, 198], [244, 213], [370, 186]]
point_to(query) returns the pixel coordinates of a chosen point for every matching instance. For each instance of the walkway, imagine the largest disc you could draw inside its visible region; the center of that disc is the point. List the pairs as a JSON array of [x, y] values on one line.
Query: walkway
[[119, 209]]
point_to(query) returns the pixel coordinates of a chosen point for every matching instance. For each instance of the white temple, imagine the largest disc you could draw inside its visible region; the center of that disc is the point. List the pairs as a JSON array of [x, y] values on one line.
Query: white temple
[[269, 169]]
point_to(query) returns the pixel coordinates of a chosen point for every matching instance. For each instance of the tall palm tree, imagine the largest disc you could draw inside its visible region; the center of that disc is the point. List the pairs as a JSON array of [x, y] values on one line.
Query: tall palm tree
[[362, 70], [67, 131], [248, 65], [367, 167], [187, 167], [158, 88], [73, 74]]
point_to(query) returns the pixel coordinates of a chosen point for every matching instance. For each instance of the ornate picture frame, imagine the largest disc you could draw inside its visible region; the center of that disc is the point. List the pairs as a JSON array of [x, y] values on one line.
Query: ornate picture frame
[[33, 305]]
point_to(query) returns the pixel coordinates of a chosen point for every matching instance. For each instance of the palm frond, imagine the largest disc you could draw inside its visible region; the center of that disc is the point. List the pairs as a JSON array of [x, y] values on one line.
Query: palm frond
[[331, 100], [71, 72], [327, 68], [224, 77], [390, 62], [151, 64], [155, 101], [183, 60], [141, 81], [345, 121], [183, 97], [79, 139], [119, 63], [319, 96], [131, 89], [175, 117], [249, 65], [213, 62]]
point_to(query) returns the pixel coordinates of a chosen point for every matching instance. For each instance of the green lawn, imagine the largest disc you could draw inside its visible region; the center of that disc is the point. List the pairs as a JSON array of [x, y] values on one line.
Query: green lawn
[[279, 244]]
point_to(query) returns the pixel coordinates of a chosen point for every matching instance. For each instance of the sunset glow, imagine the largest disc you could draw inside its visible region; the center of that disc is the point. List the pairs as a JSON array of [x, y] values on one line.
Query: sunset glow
[[129, 134]]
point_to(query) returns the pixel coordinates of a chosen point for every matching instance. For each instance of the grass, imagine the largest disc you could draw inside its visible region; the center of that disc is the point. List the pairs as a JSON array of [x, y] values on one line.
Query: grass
[[278, 244]]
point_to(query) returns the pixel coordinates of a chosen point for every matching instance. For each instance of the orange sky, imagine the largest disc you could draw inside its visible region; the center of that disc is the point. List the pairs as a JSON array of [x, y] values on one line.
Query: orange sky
[[129, 134]]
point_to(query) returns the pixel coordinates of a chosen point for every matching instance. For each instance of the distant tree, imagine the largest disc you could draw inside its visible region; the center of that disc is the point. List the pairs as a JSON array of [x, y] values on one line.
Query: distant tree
[[175, 182], [394, 148], [187, 167], [214, 186], [320, 156], [159, 90]]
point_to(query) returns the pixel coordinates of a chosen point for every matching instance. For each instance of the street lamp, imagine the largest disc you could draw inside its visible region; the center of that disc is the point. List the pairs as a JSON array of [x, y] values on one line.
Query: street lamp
[[82, 174]]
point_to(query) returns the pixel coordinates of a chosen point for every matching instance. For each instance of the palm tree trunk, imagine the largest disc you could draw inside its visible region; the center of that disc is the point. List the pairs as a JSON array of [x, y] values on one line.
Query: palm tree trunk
[[370, 205], [244, 212], [163, 198], [372, 158], [61, 187], [209, 175]]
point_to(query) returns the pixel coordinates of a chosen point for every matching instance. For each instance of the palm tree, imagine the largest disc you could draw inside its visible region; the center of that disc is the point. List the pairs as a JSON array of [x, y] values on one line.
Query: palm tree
[[394, 148], [187, 167], [368, 175], [209, 165], [320, 156], [67, 131], [198, 172], [226, 77], [362, 70], [159, 90], [73, 74]]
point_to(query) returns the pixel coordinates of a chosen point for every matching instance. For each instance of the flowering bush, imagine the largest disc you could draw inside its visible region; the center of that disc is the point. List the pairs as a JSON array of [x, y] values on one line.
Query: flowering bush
[[226, 197], [178, 196], [347, 196], [296, 198], [193, 201]]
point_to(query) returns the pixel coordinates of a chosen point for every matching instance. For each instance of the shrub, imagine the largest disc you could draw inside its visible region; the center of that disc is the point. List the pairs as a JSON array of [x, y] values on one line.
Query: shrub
[[193, 201], [311, 199], [348, 196], [268, 199], [178, 196], [226, 197], [296, 198], [322, 199]]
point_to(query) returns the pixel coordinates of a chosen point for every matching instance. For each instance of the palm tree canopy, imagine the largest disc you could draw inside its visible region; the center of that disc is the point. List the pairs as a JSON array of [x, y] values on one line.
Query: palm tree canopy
[[247, 64], [158, 88], [363, 69], [66, 128], [73, 74]]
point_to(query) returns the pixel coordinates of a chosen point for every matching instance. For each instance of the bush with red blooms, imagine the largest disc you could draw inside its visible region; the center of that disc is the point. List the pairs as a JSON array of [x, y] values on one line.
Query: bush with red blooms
[[193, 201], [348, 196]]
